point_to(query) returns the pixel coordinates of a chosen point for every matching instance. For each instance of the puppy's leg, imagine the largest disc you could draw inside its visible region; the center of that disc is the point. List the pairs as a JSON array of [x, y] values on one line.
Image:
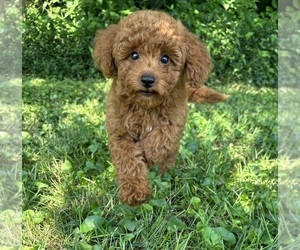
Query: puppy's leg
[[205, 94], [161, 146], [131, 170], [168, 162]]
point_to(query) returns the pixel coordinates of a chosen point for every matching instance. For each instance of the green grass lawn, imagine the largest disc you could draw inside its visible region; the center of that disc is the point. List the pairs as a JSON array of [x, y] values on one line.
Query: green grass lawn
[[10, 162], [222, 193], [289, 168]]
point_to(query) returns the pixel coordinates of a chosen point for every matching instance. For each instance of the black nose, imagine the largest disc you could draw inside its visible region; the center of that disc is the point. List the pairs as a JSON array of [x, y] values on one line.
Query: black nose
[[147, 81]]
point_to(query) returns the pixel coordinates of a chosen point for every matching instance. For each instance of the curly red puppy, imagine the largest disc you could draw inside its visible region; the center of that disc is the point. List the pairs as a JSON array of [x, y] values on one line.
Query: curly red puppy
[[157, 66]]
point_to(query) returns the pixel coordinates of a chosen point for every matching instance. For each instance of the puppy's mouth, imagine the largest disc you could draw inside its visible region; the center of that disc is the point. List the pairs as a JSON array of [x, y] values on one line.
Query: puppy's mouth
[[147, 92]]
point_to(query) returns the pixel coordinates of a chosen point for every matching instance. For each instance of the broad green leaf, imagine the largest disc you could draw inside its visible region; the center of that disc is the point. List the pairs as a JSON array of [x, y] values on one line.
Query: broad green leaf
[[210, 236], [175, 224], [89, 165], [66, 166], [4, 137], [129, 237], [193, 146], [207, 182], [158, 202], [40, 185], [97, 247], [32, 216], [7, 214], [128, 224], [93, 148], [225, 235], [195, 201], [28, 214], [85, 246], [147, 207], [38, 217], [90, 223], [25, 137]]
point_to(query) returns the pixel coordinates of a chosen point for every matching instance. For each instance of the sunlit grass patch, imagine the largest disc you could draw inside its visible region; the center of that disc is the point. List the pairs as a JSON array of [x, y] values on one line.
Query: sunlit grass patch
[[222, 193]]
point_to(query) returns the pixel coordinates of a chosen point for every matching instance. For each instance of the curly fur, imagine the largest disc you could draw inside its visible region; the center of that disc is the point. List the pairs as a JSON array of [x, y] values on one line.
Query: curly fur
[[145, 123]]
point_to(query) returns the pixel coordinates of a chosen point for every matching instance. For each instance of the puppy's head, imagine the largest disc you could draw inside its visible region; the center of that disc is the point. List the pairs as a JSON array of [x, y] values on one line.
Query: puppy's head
[[150, 55]]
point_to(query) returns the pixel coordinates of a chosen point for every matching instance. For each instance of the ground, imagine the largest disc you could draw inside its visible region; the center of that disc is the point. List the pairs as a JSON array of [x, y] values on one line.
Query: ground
[[222, 193]]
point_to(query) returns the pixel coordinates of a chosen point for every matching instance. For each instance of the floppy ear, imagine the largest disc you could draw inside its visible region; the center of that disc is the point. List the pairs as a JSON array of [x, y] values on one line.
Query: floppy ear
[[103, 47], [198, 60]]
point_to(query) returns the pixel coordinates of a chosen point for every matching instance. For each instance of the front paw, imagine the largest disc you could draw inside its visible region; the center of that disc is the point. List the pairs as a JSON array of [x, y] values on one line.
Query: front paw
[[134, 192]]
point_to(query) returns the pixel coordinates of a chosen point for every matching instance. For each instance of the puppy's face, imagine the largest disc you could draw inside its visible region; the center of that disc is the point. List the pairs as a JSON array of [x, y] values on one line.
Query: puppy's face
[[150, 54], [149, 58]]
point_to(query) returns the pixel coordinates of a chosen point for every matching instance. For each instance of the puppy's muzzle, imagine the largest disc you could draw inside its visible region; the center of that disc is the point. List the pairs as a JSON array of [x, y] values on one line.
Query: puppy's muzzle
[[147, 81]]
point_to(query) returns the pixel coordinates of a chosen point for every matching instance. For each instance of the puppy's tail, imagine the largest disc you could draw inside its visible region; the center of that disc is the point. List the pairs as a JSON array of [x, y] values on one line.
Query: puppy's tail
[[205, 94]]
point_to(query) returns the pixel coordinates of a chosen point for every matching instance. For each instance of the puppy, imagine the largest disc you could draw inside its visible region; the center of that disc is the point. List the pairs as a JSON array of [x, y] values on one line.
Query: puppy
[[157, 66]]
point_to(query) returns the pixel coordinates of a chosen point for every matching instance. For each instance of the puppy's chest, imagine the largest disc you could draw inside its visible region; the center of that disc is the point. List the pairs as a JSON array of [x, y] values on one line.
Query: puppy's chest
[[140, 125]]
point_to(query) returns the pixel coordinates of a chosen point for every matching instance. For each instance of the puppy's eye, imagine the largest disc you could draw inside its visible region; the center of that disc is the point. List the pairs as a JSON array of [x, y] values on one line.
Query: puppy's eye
[[134, 55], [165, 59]]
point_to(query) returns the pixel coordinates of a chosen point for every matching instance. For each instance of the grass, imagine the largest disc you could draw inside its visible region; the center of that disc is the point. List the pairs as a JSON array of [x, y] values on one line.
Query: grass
[[10, 162], [288, 175], [222, 193]]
